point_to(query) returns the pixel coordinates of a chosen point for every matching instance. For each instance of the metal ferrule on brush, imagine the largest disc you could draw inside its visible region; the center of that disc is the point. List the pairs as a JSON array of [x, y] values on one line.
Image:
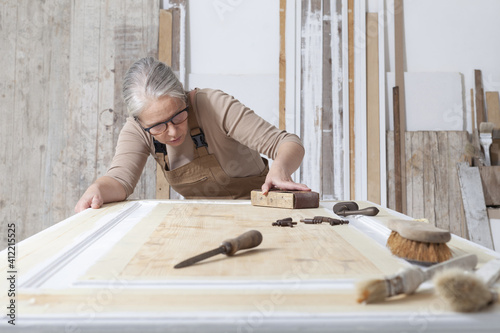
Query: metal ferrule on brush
[[394, 285], [405, 282]]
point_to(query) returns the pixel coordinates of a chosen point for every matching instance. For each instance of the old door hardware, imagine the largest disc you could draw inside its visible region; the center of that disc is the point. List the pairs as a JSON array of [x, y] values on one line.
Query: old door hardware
[[352, 208], [286, 222], [321, 219]]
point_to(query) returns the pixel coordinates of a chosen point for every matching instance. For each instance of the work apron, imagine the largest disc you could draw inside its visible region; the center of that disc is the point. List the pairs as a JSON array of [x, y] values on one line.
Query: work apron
[[204, 178]]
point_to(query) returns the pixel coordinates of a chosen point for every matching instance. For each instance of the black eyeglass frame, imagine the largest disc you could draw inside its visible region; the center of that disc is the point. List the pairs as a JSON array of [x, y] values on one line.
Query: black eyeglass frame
[[169, 120]]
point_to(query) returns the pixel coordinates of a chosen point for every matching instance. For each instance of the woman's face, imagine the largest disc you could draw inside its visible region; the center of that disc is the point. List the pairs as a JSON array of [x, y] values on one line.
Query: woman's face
[[162, 110]]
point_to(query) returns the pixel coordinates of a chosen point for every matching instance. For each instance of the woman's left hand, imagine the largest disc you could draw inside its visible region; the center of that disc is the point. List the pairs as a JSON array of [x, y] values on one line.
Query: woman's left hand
[[277, 178], [287, 160]]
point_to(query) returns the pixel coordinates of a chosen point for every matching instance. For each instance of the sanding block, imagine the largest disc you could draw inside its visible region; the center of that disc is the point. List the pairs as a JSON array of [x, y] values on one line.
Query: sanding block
[[285, 199]]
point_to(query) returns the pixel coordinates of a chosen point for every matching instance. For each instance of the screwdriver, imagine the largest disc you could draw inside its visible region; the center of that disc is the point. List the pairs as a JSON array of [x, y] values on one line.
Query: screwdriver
[[228, 247]]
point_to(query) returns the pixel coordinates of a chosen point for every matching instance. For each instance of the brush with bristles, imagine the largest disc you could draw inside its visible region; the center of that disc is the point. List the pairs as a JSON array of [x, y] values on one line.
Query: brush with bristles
[[407, 281], [466, 291], [486, 139], [418, 242]]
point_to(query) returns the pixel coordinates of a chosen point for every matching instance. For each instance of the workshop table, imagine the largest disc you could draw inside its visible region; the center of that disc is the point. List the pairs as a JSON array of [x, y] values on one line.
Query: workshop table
[[111, 269]]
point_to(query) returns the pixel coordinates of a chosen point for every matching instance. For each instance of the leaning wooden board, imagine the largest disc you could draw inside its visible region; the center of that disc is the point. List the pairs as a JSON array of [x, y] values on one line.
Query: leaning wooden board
[[113, 268]]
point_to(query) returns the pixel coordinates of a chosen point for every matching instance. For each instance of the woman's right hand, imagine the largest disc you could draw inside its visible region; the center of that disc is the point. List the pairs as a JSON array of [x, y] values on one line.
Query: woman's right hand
[[92, 198], [105, 189]]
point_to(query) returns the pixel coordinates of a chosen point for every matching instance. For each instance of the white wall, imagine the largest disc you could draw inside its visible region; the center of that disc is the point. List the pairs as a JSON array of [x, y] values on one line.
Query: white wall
[[233, 45], [449, 36]]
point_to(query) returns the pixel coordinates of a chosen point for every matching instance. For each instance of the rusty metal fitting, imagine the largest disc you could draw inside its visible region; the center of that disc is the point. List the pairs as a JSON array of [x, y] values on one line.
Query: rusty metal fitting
[[286, 222], [334, 222], [314, 220], [321, 219]]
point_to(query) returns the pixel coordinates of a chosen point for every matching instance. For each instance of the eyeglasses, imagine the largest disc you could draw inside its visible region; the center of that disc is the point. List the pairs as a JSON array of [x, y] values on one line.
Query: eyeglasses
[[176, 119]]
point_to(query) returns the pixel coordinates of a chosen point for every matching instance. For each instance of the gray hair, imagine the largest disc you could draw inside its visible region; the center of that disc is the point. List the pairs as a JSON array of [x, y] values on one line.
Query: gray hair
[[146, 81]]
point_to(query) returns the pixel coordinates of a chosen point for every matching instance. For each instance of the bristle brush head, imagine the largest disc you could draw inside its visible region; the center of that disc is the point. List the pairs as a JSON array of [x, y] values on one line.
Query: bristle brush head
[[462, 290], [423, 252], [486, 127], [371, 291]]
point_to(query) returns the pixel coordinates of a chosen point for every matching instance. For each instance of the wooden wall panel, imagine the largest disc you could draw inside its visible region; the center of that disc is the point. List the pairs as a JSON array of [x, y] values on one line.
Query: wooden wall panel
[[372, 108], [432, 189], [321, 85], [312, 83], [62, 69]]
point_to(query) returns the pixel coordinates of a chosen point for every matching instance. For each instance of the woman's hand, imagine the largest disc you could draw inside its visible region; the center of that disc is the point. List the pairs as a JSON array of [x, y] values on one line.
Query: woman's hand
[[104, 190], [92, 198], [278, 178], [287, 160]]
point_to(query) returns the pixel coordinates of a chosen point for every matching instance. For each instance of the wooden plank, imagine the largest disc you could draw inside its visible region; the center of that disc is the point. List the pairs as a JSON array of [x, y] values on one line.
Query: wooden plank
[[490, 178], [62, 70], [141, 39], [457, 141], [472, 113], [9, 123], [282, 66], [398, 149], [391, 181], [178, 10], [372, 109], [165, 37], [431, 189], [493, 106], [327, 139], [409, 173], [417, 178], [400, 82], [38, 192], [474, 205], [442, 203], [312, 99], [384, 166], [480, 110], [352, 136], [340, 162], [164, 55]]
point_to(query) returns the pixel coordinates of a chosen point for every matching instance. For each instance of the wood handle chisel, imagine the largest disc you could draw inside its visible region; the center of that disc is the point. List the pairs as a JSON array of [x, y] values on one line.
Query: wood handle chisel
[[248, 240]]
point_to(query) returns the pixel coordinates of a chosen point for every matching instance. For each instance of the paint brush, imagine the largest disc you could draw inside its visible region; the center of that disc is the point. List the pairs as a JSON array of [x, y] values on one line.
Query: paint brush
[[486, 139], [407, 281], [466, 291]]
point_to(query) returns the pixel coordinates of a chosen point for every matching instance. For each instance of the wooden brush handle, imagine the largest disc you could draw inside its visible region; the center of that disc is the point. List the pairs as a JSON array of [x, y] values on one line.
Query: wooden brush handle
[[466, 262], [419, 231], [247, 240], [489, 272], [408, 281]]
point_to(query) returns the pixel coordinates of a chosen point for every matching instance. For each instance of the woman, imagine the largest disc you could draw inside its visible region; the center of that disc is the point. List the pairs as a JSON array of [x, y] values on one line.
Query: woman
[[207, 143]]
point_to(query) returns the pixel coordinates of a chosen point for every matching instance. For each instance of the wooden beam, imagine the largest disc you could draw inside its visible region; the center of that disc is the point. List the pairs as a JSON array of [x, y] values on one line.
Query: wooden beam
[[372, 108], [282, 66], [327, 122], [476, 215], [397, 151], [165, 37], [352, 159], [490, 178], [480, 111], [164, 55], [493, 107], [400, 83]]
